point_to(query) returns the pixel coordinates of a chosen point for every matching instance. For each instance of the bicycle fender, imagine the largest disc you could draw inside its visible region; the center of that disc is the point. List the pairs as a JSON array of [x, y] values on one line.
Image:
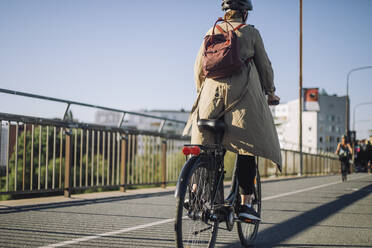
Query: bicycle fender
[[184, 174]]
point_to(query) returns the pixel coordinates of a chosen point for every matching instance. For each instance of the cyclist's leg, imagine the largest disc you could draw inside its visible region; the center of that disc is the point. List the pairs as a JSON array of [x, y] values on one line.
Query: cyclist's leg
[[248, 227], [343, 169], [246, 172]]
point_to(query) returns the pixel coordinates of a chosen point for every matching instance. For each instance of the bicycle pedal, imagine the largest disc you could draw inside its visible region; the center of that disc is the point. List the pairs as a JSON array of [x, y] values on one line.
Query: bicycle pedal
[[248, 221]]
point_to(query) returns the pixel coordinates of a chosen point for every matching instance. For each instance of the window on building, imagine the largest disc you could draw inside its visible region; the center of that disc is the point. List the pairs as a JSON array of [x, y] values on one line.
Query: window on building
[[321, 139], [332, 118], [331, 139], [338, 139], [320, 128]]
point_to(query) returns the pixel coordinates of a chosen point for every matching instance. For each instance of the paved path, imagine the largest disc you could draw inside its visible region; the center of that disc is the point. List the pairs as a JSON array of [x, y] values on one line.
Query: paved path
[[306, 212]]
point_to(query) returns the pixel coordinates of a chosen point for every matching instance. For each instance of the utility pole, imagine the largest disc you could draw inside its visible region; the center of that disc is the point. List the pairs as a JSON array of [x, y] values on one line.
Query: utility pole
[[300, 94]]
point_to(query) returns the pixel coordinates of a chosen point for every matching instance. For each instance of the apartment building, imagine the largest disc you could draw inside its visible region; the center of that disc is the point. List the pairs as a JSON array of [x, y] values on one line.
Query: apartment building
[[321, 128]]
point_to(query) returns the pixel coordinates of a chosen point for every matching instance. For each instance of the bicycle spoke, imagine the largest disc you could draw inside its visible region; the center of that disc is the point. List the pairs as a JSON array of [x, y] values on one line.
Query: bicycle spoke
[[198, 229]]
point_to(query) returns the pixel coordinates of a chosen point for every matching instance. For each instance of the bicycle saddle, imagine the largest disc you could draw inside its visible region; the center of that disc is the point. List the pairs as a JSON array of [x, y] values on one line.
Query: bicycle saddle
[[215, 126]]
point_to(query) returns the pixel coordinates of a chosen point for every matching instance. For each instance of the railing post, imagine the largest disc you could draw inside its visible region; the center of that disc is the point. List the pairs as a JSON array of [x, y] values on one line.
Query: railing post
[[24, 155], [123, 165], [67, 190], [285, 163], [164, 163], [313, 166], [266, 168], [319, 165]]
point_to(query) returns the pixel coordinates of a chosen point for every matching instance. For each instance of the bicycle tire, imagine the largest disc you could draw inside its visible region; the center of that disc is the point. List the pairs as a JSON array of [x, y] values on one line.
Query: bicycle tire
[[196, 232], [248, 231]]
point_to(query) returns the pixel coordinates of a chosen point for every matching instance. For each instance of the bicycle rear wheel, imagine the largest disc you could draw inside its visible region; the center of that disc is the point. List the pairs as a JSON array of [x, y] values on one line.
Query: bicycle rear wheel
[[194, 225], [248, 230]]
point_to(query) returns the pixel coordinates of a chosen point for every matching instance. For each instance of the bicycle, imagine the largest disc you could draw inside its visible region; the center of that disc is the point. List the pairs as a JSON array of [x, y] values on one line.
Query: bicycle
[[201, 206]]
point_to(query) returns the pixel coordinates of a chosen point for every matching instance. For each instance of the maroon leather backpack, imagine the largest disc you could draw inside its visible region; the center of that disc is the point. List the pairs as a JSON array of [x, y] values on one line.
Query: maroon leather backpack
[[221, 53]]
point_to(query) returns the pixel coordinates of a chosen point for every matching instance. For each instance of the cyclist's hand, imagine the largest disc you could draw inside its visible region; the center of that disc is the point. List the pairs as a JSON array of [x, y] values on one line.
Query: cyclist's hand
[[273, 99]]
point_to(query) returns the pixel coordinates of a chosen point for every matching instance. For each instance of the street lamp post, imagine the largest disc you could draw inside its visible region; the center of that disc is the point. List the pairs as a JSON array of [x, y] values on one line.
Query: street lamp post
[[360, 104], [347, 95]]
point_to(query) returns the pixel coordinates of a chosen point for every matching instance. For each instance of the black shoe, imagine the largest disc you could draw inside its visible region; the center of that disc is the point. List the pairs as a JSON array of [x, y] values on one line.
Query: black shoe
[[248, 213]]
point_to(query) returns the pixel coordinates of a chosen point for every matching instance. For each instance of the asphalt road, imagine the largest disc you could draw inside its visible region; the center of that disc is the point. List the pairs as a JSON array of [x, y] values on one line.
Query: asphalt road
[[307, 212]]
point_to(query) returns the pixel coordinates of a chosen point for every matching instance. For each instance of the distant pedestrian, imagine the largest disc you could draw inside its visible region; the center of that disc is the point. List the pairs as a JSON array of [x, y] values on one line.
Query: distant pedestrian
[[369, 156], [343, 151]]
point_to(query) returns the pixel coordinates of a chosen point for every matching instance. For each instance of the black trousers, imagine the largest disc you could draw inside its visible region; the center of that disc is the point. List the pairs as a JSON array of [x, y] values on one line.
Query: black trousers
[[246, 172], [345, 167]]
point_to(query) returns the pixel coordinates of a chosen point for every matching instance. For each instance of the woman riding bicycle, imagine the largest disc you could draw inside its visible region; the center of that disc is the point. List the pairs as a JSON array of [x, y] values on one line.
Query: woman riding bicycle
[[343, 151], [250, 130]]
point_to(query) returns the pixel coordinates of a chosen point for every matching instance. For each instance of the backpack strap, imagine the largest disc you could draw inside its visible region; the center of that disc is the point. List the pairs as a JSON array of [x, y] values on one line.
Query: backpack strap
[[239, 26], [220, 19], [234, 29], [220, 29]]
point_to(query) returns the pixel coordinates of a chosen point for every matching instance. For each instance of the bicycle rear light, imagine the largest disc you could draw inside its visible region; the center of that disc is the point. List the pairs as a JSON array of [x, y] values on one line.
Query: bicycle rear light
[[186, 150], [194, 150]]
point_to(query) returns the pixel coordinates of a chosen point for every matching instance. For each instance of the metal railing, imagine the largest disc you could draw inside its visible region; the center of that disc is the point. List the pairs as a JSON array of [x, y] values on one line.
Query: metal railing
[[313, 164], [48, 155], [53, 155]]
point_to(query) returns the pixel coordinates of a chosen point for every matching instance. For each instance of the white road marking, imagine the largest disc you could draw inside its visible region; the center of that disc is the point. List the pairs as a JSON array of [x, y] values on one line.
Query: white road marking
[[307, 189], [74, 241], [125, 230], [298, 191]]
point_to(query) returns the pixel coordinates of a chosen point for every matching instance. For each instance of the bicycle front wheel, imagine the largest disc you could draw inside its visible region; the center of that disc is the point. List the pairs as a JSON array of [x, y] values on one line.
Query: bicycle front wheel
[[248, 230], [195, 225]]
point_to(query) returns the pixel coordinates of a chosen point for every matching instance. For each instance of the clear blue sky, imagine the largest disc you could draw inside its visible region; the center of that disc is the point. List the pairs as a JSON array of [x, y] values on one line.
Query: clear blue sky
[[140, 54]]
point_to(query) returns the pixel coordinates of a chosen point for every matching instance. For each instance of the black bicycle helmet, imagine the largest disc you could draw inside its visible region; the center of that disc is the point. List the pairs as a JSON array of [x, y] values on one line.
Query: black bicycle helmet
[[236, 5]]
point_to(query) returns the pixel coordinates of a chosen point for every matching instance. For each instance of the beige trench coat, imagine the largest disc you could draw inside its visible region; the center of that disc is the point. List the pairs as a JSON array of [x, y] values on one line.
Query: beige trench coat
[[250, 127]]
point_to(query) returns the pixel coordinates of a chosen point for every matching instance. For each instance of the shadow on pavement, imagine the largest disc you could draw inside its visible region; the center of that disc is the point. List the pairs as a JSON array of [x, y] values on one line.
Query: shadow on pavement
[[8, 209], [273, 236], [322, 245], [11, 209]]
